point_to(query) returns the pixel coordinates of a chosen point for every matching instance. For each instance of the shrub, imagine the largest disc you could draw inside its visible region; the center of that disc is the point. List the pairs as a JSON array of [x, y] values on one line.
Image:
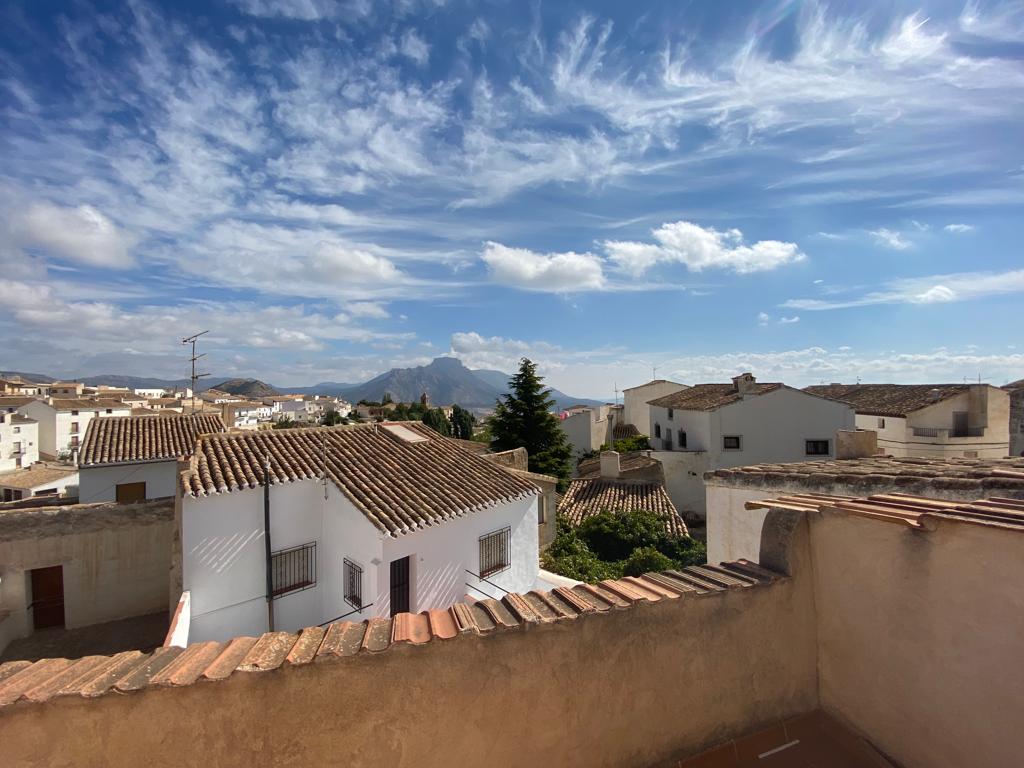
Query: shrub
[[644, 559]]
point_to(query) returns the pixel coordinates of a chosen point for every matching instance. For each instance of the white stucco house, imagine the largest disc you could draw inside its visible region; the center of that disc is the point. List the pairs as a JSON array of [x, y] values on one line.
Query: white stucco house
[[712, 426], [19, 441], [63, 422], [930, 420], [38, 480], [587, 428], [636, 410], [135, 458], [364, 521]]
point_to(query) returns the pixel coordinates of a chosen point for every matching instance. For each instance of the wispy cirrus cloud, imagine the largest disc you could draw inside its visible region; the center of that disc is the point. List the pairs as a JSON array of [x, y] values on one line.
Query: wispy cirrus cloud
[[933, 289]]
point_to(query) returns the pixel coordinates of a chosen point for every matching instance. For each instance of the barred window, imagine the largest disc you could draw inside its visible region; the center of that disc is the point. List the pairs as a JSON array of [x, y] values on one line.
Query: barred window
[[817, 447], [353, 584], [494, 551], [732, 443], [293, 569]]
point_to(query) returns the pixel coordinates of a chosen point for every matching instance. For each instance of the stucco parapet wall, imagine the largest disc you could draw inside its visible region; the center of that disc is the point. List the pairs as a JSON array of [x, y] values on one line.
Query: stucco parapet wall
[[75, 519], [24, 683], [980, 477]]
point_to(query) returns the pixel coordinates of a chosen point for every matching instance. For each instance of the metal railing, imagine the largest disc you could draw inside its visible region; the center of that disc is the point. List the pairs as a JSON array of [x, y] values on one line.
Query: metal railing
[[486, 581]]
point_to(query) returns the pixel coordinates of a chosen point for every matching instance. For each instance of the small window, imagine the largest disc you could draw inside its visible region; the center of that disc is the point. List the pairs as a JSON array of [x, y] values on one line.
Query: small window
[[881, 423], [817, 447], [542, 502], [292, 570], [74, 441], [671, 412], [494, 552], [682, 439], [74, 426], [353, 584], [732, 443], [110, 410], [74, 413], [657, 430]]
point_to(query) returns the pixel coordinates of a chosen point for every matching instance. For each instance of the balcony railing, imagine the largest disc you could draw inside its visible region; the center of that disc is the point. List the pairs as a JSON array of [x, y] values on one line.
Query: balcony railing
[[946, 434]]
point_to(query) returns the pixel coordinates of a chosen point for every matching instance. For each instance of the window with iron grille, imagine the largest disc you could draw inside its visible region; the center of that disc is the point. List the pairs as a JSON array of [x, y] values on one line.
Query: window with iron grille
[[817, 447], [732, 443], [353, 584], [293, 569], [495, 554]]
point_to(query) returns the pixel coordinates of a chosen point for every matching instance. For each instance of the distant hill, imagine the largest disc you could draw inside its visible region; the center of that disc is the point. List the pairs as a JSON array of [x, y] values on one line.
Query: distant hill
[[251, 388], [331, 388], [446, 381]]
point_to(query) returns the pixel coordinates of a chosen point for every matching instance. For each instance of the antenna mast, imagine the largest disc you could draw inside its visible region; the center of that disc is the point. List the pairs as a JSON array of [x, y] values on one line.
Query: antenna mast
[[195, 376]]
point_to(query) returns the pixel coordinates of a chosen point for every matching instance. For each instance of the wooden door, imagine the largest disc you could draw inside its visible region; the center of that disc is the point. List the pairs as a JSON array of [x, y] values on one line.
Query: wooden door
[[129, 493], [400, 586], [960, 422], [48, 596]]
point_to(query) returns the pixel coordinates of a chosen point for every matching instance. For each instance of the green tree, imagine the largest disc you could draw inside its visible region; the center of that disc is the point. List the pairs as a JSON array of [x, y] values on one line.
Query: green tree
[[437, 421], [462, 423], [523, 419], [331, 418], [285, 423]]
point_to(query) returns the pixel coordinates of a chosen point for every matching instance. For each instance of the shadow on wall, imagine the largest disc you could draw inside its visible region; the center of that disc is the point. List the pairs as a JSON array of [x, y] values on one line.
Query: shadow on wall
[[219, 553]]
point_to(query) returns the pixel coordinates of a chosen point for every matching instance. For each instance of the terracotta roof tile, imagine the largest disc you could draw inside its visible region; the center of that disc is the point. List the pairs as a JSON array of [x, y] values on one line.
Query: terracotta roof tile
[[400, 485], [130, 439], [586, 498], [131, 671], [708, 397], [624, 431], [34, 476], [888, 399], [81, 404], [983, 477]]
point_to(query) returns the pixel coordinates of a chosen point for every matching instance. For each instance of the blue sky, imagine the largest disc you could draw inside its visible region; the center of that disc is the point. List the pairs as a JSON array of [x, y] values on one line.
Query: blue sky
[[812, 192]]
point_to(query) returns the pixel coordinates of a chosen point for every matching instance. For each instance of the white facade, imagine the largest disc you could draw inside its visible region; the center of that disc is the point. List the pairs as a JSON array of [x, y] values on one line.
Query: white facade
[[224, 561], [933, 432], [19, 441], [61, 431], [149, 393], [772, 427], [587, 429], [636, 410], [99, 483]]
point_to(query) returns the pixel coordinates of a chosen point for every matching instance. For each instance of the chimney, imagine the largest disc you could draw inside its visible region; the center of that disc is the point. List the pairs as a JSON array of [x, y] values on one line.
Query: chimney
[[610, 468], [744, 384]]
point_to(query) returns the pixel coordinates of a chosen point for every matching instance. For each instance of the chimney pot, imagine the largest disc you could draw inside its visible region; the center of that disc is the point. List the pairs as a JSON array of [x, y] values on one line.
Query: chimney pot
[[610, 466]]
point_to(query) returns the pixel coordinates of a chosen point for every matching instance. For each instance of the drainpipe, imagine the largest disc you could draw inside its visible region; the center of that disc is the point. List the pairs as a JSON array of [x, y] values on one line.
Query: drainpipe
[[266, 543]]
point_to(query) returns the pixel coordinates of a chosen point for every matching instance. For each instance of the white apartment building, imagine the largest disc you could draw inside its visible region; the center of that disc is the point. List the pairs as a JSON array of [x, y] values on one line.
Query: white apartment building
[[930, 420], [246, 414], [365, 520], [635, 402], [62, 422], [711, 426], [135, 458], [19, 441], [588, 428]]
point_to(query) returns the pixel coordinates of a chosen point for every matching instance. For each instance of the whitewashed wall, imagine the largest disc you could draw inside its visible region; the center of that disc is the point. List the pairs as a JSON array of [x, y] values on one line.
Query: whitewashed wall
[[441, 554], [100, 483], [635, 400]]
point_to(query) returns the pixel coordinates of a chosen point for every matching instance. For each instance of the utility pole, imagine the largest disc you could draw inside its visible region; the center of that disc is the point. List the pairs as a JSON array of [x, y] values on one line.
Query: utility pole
[[195, 376]]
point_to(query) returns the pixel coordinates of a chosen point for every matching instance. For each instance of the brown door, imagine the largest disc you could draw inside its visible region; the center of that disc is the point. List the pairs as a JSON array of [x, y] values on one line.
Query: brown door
[[128, 493], [48, 596]]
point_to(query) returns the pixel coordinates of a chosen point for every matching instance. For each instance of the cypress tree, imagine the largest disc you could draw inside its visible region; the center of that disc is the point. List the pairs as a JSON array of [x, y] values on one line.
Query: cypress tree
[[523, 419]]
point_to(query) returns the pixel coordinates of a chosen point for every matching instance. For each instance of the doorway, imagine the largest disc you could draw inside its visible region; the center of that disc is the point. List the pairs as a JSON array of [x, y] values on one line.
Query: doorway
[[400, 586], [48, 597], [130, 493]]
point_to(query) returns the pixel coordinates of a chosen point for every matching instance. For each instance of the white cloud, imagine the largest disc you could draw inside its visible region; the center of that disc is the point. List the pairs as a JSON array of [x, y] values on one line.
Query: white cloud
[[414, 47], [763, 318], [700, 248], [959, 229], [552, 272], [932, 289], [370, 309], [890, 238], [789, 320], [81, 234]]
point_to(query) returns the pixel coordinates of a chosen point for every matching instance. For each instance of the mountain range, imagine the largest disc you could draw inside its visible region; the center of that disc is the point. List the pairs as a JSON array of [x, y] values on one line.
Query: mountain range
[[445, 380]]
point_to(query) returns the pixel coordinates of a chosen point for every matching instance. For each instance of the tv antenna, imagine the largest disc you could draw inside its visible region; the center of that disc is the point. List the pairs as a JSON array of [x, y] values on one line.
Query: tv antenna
[[654, 372], [616, 385], [195, 376]]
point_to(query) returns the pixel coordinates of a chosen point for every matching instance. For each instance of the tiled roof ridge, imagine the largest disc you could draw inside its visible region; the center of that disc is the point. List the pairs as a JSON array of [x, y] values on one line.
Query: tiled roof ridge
[[132, 439], [23, 682], [906, 509], [586, 497], [1007, 472], [711, 396], [466, 482], [896, 400]]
